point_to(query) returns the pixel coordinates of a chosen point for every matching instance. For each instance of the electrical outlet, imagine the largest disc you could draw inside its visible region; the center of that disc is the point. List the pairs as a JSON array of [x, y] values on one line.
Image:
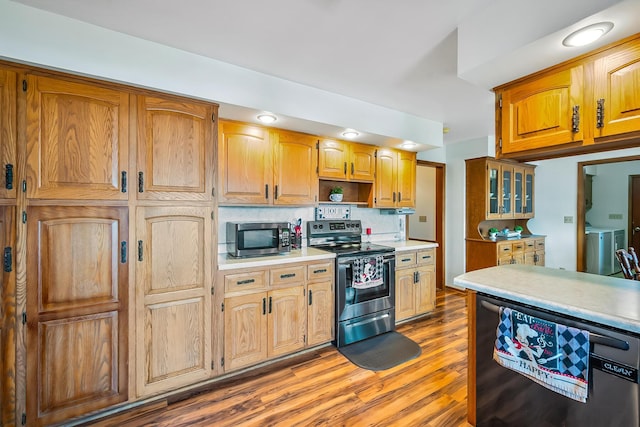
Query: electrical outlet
[[422, 218], [568, 220], [615, 216]]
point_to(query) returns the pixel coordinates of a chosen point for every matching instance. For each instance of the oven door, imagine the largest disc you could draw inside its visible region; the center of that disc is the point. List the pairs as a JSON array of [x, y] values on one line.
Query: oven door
[[353, 302]]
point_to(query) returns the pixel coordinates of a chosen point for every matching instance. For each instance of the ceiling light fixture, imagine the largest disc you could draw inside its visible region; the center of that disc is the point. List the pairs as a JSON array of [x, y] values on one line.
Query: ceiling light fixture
[[267, 118], [408, 144], [587, 34], [350, 133]]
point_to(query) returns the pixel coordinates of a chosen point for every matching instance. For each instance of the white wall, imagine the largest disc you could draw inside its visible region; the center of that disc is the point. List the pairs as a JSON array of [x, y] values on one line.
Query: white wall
[[556, 196], [425, 205]]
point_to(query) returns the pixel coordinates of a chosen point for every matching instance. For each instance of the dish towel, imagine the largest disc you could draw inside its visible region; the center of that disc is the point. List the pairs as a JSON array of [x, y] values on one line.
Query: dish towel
[[553, 355], [367, 272]]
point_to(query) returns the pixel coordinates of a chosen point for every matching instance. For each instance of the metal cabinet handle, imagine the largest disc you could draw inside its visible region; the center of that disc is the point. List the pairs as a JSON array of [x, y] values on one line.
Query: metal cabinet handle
[[287, 276], [245, 282], [322, 270]]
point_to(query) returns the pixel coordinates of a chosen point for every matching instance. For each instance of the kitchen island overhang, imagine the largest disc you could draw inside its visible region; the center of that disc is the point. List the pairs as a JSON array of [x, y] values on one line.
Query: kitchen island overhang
[[607, 306]]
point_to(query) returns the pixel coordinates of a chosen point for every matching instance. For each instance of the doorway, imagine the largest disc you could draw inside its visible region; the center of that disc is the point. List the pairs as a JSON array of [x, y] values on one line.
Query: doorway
[[627, 187], [427, 223]]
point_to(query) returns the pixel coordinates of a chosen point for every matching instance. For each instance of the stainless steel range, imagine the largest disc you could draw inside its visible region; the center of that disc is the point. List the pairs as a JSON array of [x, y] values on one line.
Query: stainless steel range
[[365, 280]]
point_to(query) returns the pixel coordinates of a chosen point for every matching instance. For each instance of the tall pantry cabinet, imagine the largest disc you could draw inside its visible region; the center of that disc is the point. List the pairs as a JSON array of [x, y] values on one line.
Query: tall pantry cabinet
[[115, 215]]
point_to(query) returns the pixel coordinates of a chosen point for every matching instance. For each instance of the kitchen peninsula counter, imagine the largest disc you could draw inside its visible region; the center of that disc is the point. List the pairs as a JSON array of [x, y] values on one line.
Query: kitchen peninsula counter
[[408, 245], [606, 300]]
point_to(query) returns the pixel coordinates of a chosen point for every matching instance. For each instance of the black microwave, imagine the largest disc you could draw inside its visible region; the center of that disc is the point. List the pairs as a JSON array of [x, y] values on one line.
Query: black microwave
[[246, 239]]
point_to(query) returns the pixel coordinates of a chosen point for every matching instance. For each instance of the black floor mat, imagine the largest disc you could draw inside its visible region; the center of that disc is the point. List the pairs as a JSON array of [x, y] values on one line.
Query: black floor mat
[[382, 351]]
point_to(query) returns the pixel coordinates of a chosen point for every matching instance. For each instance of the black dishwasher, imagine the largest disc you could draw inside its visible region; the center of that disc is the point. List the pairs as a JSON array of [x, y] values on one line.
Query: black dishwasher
[[507, 398]]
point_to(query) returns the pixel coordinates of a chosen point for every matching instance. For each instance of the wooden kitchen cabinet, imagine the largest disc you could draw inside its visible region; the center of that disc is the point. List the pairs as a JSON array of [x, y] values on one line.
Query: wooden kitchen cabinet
[[7, 317], [587, 104], [415, 283], [486, 253], [542, 112], [320, 303], [76, 310], [173, 297], [77, 140], [395, 178], [258, 166], [341, 160], [8, 133], [534, 251], [616, 93], [176, 143], [286, 320]]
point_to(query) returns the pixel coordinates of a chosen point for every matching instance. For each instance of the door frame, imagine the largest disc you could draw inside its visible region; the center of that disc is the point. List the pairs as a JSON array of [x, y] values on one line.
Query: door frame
[[630, 210], [581, 254], [440, 169]]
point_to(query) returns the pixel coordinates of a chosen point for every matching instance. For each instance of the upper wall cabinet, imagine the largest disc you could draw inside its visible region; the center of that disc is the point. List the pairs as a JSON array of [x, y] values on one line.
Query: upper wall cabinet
[[395, 178], [77, 140], [7, 133], [175, 149], [543, 112], [591, 103], [617, 91], [344, 161], [263, 167]]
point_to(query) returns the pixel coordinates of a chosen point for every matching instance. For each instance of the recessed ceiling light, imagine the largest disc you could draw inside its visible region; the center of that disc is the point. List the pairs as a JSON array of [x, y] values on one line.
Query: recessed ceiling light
[[267, 118], [350, 133], [408, 144], [588, 34]]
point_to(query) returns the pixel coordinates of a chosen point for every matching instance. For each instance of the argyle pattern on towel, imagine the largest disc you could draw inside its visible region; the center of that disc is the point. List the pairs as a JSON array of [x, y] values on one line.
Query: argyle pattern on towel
[[575, 346]]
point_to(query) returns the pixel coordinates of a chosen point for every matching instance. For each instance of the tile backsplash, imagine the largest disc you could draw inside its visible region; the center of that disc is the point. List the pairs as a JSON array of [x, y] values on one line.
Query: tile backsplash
[[383, 227]]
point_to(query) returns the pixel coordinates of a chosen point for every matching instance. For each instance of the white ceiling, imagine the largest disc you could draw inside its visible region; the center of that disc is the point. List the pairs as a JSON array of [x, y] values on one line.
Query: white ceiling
[[403, 55]]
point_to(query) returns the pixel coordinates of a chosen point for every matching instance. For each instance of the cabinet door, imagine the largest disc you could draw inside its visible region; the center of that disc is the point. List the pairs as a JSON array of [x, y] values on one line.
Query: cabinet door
[[77, 140], [362, 162], [294, 176], [332, 159], [406, 179], [175, 149], [506, 203], [527, 205], [173, 301], [426, 289], [494, 190], [518, 192], [286, 320], [244, 159], [8, 134], [539, 258], [77, 277], [245, 330], [386, 178], [7, 319], [320, 312], [617, 93], [405, 293], [543, 112]]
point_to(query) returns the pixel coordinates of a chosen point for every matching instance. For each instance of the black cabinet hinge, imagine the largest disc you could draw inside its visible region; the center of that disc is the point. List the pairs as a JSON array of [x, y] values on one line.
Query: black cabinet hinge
[[318, 144], [24, 85], [24, 317], [8, 260], [500, 101], [222, 362], [24, 419], [213, 365], [222, 306], [212, 290], [123, 252], [140, 250], [213, 119], [304, 339], [213, 192], [140, 182], [8, 176], [123, 181], [24, 185], [24, 217]]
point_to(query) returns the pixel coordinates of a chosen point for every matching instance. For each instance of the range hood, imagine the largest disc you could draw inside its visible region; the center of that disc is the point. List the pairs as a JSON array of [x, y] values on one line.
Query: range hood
[[397, 211]]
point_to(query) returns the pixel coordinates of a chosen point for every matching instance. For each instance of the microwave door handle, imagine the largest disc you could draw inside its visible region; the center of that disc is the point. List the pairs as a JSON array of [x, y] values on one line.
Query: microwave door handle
[[594, 337]]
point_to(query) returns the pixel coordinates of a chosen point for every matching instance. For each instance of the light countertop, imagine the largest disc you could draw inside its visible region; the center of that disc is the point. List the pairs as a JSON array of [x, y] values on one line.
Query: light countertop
[[226, 262], [607, 300], [407, 245]]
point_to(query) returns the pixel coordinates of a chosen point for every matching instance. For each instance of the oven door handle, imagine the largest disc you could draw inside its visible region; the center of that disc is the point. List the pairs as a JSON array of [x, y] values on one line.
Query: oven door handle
[[595, 338]]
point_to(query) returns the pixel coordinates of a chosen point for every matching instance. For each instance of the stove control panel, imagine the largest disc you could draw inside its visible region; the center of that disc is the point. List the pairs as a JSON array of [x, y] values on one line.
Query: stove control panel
[[334, 228]]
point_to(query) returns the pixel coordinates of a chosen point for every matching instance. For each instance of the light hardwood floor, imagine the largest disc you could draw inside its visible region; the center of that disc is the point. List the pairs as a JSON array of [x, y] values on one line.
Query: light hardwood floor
[[322, 388]]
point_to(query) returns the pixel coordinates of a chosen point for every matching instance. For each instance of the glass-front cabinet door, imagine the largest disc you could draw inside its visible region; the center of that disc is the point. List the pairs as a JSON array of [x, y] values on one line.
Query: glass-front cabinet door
[[518, 191], [527, 208], [494, 190], [507, 190]]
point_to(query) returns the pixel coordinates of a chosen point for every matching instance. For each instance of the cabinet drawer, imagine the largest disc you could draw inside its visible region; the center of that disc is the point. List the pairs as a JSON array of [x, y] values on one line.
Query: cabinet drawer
[[539, 244], [426, 257], [405, 259], [529, 245], [245, 281], [504, 249], [287, 275], [517, 247], [320, 271]]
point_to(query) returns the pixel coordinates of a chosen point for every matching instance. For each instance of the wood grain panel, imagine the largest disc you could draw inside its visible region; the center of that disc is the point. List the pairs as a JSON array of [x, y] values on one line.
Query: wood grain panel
[[175, 148], [405, 294], [8, 326], [245, 326], [287, 321], [77, 140], [386, 178], [320, 312], [294, 174], [323, 388], [362, 162], [8, 131], [332, 159], [406, 179]]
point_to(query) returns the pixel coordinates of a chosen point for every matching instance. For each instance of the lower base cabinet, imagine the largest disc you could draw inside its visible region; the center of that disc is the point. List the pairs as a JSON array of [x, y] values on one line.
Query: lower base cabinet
[[485, 253], [273, 312], [415, 283]]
